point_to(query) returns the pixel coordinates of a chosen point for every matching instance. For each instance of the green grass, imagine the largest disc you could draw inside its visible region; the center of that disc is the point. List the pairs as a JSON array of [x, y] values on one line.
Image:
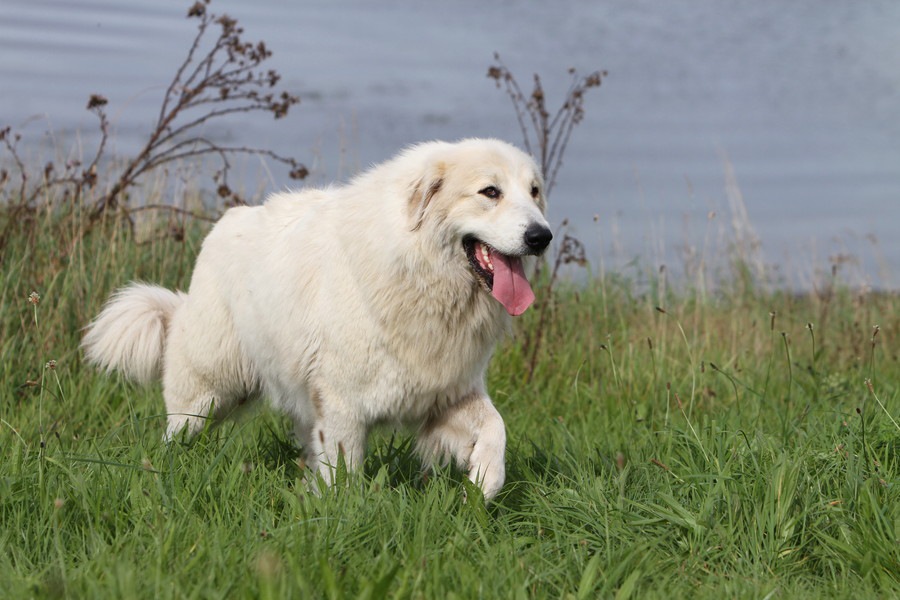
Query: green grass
[[670, 444]]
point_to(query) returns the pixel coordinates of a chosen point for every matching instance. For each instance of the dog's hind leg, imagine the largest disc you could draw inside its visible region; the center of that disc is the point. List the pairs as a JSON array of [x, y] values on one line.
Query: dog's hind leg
[[197, 394], [470, 431], [191, 404], [204, 375], [188, 417]]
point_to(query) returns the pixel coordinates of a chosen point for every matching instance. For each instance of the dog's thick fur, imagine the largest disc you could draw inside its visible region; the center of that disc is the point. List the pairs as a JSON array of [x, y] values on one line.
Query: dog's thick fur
[[349, 306]]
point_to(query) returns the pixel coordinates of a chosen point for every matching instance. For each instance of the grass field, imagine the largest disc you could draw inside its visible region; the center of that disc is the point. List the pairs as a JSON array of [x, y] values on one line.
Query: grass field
[[738, 443]]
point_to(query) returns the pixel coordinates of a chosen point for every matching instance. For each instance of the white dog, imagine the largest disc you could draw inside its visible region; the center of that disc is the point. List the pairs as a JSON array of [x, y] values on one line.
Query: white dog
[[379, 301]]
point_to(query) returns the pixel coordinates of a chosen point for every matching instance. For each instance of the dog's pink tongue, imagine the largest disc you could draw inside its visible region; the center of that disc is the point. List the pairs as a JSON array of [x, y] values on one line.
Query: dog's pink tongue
[[511, 287]]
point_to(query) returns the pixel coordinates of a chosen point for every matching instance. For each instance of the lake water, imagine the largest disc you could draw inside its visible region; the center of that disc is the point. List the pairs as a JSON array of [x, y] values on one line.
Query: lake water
[[799, 100]]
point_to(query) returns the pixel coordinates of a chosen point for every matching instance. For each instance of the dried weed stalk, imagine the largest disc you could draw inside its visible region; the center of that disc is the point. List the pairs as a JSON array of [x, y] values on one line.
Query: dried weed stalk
[[570, 251], [550, 133], [214, 81], [546, 137]]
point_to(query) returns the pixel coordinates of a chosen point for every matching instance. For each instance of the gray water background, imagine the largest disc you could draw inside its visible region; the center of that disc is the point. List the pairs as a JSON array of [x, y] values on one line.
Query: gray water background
[[799, 99]]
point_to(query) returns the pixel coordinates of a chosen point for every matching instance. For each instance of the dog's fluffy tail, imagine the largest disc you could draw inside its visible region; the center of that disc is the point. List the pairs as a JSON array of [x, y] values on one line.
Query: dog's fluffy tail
[[129, 334]]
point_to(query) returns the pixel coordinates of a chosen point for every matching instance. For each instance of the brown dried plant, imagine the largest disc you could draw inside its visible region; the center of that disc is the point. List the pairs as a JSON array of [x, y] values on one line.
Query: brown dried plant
[[551, 133], [546, 137], [570, 251], [213, 81]]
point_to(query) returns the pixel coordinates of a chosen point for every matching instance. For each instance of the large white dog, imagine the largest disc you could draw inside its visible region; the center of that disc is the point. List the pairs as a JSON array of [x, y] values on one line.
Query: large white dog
[[379, 301]]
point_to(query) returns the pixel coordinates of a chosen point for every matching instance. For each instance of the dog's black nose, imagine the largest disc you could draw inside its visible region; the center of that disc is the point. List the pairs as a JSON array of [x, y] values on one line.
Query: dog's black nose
[[537, 237]]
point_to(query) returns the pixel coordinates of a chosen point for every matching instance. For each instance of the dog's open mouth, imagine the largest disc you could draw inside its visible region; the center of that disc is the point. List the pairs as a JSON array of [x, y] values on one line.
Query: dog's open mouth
[[501, 275]]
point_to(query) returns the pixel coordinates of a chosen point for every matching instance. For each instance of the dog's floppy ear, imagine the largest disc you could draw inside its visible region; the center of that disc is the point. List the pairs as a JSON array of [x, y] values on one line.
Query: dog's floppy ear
[[423, 190]]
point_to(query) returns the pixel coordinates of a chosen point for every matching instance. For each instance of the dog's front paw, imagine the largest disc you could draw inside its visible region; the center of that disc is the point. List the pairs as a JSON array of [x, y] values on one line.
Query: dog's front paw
[[487, 468]]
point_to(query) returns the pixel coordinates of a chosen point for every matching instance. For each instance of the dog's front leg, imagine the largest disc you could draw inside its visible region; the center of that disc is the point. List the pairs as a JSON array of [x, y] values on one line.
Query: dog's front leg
[[334, 438], [472, 432]]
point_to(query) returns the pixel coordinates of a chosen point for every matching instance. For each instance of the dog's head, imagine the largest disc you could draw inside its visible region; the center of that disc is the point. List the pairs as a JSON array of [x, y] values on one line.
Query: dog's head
[[487, 198]]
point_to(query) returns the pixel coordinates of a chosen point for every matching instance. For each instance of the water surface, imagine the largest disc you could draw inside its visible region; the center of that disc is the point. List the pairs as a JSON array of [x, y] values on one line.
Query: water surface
[[801, 99]]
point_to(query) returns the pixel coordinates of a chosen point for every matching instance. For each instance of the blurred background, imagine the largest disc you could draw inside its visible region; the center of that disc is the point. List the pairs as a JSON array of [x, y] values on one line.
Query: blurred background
[[770, 125]]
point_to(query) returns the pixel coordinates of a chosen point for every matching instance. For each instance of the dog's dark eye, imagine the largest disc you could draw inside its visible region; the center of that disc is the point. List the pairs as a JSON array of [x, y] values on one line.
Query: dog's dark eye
[[534, 191], [490, 192]]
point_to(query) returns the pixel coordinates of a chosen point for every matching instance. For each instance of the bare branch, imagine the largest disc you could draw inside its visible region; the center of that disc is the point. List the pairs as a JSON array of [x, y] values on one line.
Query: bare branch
[[218, 77], [553, 135], [227, 76], [552, 132]]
